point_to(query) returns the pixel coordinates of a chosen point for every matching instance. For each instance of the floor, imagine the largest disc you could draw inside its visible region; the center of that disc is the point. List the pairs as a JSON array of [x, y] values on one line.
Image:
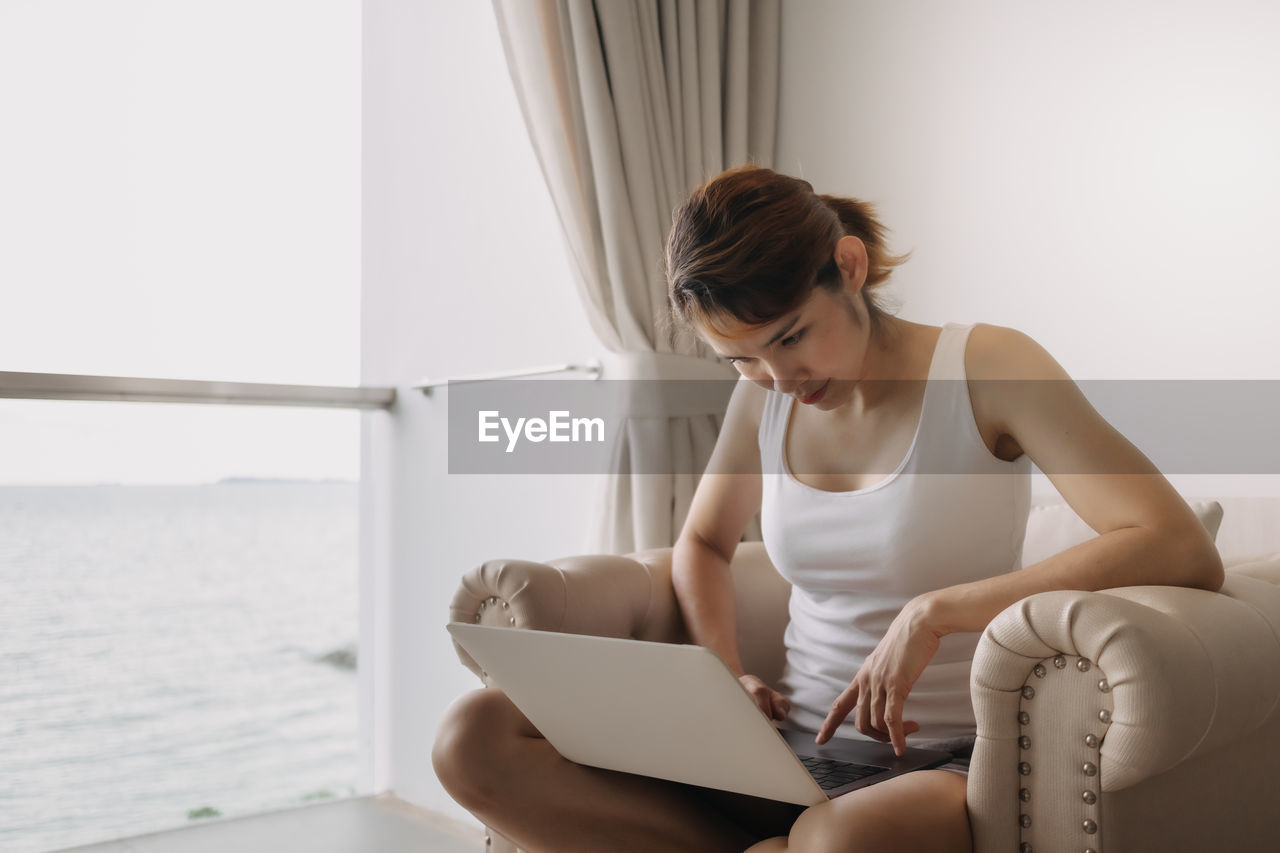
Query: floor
[[380, 824]]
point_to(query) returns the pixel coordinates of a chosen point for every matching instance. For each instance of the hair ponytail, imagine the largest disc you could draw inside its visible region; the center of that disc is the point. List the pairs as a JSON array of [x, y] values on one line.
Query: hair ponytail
[[859, 219]]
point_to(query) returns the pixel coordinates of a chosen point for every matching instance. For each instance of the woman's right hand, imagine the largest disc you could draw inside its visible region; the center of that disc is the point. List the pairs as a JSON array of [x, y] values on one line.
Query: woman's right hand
[[774, 705]]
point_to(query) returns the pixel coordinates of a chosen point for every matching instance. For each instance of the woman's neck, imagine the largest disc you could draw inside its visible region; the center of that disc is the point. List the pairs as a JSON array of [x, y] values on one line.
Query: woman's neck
[[900, 352]]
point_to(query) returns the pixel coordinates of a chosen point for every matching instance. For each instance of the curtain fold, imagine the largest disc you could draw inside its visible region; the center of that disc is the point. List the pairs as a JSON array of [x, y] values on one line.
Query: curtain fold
[[629, 106]]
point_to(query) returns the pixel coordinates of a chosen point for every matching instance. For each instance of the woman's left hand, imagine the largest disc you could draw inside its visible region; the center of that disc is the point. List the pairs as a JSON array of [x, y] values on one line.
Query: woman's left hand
[[879, 690]]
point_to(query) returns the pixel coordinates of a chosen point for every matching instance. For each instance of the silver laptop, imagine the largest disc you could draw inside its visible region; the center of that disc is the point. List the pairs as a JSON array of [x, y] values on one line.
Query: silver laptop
[[672, 712]]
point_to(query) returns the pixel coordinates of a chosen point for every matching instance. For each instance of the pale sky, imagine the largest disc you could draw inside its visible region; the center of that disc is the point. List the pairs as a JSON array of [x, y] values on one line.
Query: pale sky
[[179, 197]]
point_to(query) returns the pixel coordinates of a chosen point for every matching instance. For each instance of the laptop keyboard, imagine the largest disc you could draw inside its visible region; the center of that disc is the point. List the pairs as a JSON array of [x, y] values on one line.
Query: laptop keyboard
[[831, 774]]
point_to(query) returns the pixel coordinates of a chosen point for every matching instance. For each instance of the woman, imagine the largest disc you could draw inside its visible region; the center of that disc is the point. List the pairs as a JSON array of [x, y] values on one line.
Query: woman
[[847, 438]]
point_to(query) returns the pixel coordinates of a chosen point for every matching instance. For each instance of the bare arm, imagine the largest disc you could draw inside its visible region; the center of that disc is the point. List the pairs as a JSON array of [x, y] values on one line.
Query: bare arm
[[728, 495], [1147, 533], [704, 589]]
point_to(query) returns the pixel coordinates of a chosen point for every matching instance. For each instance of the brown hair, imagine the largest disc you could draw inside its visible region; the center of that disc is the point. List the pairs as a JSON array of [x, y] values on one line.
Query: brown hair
[[752, 244]]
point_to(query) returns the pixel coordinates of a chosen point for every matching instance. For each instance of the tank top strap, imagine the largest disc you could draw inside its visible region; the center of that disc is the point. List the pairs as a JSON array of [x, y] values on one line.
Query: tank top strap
[[948, 441], [948, 357]]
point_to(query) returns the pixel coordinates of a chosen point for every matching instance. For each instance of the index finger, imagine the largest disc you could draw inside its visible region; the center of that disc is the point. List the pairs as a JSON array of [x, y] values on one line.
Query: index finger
[[840, 709], [893, 721]]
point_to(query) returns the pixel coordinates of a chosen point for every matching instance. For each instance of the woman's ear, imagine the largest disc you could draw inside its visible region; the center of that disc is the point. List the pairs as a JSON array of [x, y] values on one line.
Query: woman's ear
[[851, 257]]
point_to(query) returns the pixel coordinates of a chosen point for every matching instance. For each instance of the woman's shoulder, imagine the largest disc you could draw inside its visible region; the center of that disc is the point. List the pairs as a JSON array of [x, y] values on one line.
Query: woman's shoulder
[[994, 355], [1000, 352], [747, 403]]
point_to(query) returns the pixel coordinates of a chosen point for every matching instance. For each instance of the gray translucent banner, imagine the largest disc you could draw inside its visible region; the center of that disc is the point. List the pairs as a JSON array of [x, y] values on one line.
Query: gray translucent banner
[[549, 426]]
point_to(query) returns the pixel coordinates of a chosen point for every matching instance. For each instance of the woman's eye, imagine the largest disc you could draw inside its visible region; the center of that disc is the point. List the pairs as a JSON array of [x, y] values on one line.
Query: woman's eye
[[793, 340]]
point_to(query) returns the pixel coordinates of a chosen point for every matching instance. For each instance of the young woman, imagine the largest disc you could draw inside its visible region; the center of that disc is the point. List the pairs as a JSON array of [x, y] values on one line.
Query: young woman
[[890, 462]]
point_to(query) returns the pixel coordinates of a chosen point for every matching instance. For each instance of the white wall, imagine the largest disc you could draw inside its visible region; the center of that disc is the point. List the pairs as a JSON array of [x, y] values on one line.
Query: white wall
[[1101, 178], [464, 272]]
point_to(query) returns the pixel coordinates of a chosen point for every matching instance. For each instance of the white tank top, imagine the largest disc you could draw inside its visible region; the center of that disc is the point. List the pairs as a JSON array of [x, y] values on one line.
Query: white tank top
[[950, 513]]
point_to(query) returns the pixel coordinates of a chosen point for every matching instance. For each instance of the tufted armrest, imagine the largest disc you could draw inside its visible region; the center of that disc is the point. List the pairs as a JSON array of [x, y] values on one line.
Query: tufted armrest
[[627, 596], [1089, 705]]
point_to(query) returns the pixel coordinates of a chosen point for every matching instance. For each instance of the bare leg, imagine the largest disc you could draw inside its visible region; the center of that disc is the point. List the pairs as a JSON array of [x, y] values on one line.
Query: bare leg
[[920, 812], [493, 761]]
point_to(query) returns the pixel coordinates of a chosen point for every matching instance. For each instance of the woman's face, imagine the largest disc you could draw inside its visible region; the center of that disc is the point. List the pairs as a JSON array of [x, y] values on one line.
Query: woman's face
[[816, 353]]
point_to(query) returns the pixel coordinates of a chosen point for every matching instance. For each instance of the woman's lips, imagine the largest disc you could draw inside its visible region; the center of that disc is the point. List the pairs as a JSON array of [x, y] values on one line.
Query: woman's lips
[[816, 395]]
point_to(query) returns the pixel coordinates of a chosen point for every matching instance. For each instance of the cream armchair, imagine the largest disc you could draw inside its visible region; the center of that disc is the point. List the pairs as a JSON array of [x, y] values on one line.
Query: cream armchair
[[1131, 720]]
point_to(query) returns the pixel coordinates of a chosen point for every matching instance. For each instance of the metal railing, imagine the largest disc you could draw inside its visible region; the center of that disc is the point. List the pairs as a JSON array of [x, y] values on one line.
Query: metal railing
[[67, 386], [592, 368]]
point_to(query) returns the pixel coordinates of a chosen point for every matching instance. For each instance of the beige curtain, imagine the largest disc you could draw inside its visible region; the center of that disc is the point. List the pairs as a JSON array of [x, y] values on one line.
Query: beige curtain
[[630, 104]]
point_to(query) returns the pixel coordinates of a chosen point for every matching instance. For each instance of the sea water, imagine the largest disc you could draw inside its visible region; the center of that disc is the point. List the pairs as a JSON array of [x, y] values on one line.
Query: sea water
[[172, 654]]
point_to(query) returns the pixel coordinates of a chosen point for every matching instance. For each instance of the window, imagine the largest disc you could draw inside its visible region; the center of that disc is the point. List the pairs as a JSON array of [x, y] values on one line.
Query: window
[[179, 198]]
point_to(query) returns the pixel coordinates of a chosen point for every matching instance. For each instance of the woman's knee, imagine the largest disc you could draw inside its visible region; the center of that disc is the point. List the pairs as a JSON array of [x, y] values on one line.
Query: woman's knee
[[816, 831], [472, 751], [918, 812]]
